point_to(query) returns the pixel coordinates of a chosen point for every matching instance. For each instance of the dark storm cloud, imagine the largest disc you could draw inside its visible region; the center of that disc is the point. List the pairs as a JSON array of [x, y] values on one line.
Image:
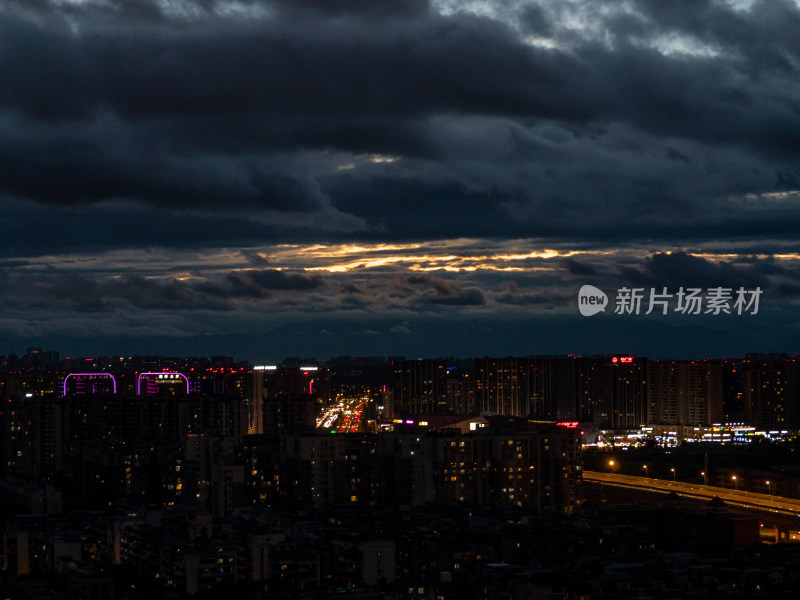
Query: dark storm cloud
[[256, 259], [146, 9], [347, 67], [772, 23], [151, 294], [281, 112], [419, 291], [75, 291], [30, 229], [418, 65], [534, 20], [466, 297], [575, 267], [350, 288], [260, 284], [350, 7], [428, 283], [226, 292], [271, 279], [681, 269], [52, 291], [512, 295], [400, 72], [88, 165]]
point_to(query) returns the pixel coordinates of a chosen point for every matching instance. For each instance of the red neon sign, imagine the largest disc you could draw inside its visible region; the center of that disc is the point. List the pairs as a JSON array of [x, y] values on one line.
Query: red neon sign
[[568, 424], [622, 359]]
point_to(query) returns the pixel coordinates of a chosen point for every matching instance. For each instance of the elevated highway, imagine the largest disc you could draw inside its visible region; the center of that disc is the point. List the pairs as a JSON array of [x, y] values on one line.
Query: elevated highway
[[750, 501]]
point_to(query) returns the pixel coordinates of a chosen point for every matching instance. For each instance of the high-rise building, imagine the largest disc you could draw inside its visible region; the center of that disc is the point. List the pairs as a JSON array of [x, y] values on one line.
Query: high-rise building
[[560, 387], [685, 392], [504, 386], [732, 391], [271, 381], [461, 392], [617, 397], [420, 386], [771, 392], [289, 413]]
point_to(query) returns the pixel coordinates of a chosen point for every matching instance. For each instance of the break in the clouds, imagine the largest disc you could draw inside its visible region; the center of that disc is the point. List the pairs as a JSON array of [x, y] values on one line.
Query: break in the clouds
[[229, 165]]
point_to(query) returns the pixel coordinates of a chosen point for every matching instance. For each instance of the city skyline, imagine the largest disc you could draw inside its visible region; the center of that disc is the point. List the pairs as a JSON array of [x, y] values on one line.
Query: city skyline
[[611, 392], [311, 359], [417, 177]]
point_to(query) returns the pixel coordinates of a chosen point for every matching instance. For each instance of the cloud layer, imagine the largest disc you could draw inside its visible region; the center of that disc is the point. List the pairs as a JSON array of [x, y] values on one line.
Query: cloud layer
[[165, 157]]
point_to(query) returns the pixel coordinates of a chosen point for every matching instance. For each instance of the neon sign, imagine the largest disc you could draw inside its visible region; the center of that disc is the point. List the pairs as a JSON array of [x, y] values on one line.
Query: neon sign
[[113, 379], [163, 377]]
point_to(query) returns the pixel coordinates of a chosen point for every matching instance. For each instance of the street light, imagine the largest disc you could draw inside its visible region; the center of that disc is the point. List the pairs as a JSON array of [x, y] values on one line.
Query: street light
[[705, 478], [768, 488], [673, 474], [645, 470], [611, 464], [735, 484]]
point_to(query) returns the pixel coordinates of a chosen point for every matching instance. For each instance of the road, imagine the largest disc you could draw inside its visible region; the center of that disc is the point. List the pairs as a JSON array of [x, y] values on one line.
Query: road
[[343, 416], [749, 500]]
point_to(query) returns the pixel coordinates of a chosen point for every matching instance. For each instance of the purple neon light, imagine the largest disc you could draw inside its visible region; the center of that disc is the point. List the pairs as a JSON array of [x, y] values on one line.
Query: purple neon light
[[114, 379], [139, 381]]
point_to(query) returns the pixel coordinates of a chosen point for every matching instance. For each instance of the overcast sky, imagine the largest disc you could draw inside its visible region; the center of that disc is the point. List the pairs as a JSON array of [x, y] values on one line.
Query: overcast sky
[[403, 177]]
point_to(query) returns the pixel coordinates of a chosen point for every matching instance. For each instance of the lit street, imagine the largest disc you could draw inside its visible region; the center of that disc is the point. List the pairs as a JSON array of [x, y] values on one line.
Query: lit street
[[751, 500], [344, 416]]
